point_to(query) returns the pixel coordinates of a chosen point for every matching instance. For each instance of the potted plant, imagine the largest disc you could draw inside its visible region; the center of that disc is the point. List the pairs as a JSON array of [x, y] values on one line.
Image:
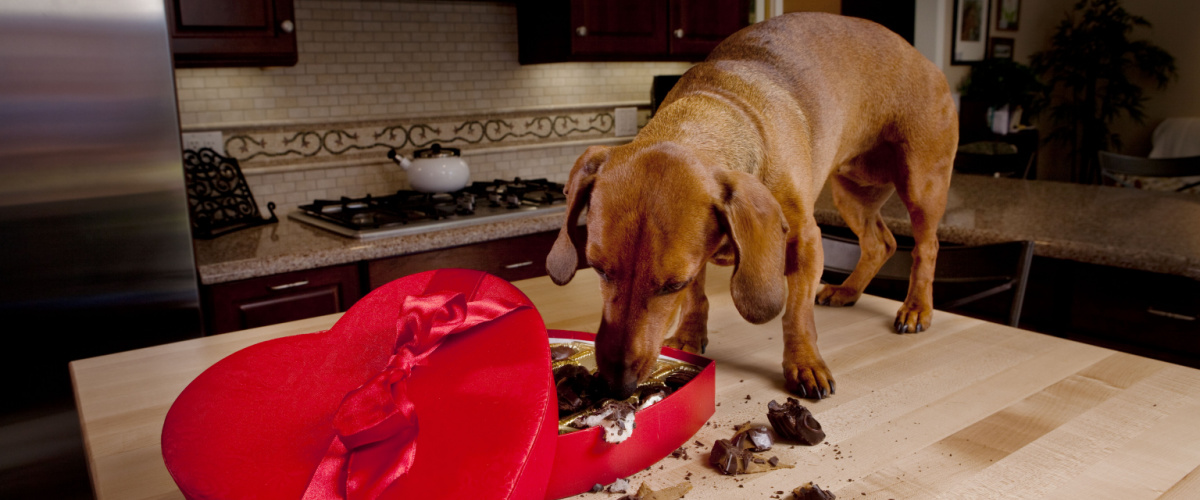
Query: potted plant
[[1088, 70]]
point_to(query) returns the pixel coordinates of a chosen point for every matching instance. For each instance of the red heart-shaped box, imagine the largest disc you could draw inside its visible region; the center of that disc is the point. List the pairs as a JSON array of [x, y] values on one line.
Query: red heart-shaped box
[[260, 423]]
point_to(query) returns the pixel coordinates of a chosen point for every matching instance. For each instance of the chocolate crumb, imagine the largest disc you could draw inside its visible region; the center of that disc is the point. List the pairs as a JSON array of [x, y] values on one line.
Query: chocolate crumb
[[810, 491], [561, 352], [753, 437], [621, 485], [597, 488], [792, 420], [726, 457], [774, 461]]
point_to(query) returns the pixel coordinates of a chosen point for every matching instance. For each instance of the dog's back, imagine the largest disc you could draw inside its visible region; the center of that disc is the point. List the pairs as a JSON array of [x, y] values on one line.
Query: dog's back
[[844, 82]]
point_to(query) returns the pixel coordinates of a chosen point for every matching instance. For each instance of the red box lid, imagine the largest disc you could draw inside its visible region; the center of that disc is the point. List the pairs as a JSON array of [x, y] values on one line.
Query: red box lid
[[324, 415]]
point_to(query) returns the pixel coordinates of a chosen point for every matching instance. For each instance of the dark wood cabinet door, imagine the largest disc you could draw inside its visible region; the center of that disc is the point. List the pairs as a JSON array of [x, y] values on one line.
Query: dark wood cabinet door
[[625, 30], [618, 26], [219, 33], [697, 26], [255, 302], [513, 259]]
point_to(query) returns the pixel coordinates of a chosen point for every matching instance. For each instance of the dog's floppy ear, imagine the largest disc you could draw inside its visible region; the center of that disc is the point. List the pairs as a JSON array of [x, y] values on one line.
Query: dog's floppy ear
[[755, 224], [563, 259]]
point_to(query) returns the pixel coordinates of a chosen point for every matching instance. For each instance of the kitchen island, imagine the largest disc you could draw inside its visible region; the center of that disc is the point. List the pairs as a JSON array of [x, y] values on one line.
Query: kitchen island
[[969, 409]]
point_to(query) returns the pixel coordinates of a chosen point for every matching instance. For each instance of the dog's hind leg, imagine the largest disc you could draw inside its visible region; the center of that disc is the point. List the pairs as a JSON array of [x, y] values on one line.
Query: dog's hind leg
[[923, 190], [692, 333], [859, 206]]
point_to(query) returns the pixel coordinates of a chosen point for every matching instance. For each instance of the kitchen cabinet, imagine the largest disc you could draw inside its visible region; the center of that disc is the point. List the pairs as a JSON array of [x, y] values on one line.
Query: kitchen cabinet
[[1136, 311], [222, 33], [513, 259], [279, 298], [625, 30], [268, 300]]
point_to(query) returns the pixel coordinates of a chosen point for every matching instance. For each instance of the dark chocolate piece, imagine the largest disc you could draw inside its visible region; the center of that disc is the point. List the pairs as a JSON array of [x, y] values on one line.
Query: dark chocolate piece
[[774, 461], [574, 387], [597, 488], [753, 437], [569, 371], [561, 352], [573, 384], [810, 491], [678, 379], [793, 421], [728, 458]]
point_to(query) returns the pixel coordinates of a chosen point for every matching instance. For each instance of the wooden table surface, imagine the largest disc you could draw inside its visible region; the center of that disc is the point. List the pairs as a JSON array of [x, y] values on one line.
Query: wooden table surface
[[967, 410]]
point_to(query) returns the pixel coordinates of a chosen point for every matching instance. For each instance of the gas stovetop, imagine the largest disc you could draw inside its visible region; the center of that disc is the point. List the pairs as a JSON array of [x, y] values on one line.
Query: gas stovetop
[[411, 212]]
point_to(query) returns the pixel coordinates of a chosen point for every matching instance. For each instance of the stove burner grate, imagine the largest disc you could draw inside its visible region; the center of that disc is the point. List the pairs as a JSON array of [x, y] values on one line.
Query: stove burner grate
[[405, 206]]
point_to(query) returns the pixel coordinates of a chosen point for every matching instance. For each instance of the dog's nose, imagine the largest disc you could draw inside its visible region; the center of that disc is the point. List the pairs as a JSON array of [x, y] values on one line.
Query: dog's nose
[[629, 383], [620, 382]]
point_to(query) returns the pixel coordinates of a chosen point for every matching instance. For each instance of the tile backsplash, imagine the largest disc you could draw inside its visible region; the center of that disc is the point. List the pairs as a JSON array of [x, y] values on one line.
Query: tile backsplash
[[374, 75]]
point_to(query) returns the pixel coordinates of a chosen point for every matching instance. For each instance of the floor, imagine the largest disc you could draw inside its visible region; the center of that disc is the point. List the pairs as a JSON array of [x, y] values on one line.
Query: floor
[[41, 453]]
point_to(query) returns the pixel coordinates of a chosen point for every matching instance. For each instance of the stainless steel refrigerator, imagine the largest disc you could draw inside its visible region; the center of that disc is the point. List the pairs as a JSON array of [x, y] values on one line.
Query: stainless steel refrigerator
[[95, 246]]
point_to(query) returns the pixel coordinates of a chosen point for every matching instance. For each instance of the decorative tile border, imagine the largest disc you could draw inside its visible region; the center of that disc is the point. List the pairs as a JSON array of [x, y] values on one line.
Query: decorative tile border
[[307, 143]]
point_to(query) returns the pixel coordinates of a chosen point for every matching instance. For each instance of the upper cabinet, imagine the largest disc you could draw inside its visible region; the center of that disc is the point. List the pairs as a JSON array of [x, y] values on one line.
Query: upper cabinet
[[625, 30], [223, 33]]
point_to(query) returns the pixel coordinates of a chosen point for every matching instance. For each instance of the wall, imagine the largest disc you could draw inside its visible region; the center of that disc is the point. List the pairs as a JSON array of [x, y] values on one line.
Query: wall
[[404, 73], [1174, 28]]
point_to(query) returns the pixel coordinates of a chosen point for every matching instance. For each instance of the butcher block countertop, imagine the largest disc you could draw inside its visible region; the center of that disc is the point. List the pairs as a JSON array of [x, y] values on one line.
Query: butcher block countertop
[[968, 409], [1147, 230]]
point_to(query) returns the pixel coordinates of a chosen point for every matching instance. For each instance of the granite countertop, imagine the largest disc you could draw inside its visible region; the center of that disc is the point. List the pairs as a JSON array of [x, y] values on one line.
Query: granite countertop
[[1147, 230], [293, 246], [1152, 231]]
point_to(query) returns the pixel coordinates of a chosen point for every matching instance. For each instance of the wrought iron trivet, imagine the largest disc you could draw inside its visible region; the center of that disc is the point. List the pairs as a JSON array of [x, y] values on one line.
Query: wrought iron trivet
[[218, 197]]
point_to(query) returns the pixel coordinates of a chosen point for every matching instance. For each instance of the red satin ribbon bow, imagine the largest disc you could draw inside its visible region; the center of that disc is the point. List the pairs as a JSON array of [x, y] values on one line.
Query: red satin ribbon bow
[[376, 423]]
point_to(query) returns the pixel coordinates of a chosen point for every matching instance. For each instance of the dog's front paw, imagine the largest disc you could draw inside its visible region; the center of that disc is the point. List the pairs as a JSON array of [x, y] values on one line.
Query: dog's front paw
[[810, 379], [838, 296], [913, 318], [694, 346]]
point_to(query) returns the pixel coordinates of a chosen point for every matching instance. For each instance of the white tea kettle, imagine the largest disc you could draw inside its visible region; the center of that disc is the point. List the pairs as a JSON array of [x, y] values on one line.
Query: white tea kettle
[[434, 169]]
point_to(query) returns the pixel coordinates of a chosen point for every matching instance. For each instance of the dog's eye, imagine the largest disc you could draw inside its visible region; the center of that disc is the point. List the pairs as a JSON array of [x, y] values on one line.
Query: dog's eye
[[672, 287], [601, 274]]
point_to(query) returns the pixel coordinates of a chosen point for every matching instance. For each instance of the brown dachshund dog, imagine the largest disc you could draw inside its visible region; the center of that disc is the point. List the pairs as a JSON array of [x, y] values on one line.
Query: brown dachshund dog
[[728, 171]]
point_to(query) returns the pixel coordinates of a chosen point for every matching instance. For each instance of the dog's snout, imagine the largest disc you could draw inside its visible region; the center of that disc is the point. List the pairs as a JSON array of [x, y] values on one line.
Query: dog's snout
[[619, 380], [628, 383]]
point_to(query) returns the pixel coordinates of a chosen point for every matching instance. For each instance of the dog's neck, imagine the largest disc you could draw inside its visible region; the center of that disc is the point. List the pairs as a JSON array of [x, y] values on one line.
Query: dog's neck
[[711, 126]]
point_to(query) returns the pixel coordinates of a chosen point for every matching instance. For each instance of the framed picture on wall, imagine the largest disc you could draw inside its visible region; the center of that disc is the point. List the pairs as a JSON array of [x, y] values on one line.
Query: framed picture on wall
[[970, 31], [1008, 14], [1001, 48]]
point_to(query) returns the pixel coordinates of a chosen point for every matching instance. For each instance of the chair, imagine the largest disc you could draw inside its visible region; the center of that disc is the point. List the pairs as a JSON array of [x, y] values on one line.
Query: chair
[[1004, 266], [1112, 164]]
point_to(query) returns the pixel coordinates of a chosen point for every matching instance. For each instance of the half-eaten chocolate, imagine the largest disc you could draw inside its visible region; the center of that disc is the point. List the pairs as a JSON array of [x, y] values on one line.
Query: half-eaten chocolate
[[793, 421]]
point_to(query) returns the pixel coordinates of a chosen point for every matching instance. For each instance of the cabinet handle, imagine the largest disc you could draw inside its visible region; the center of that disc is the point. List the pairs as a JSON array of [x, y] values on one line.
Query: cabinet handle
[[519, 264], [277, 288], [581, 31], [1171, 315], [679, 33], [287, 26]]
